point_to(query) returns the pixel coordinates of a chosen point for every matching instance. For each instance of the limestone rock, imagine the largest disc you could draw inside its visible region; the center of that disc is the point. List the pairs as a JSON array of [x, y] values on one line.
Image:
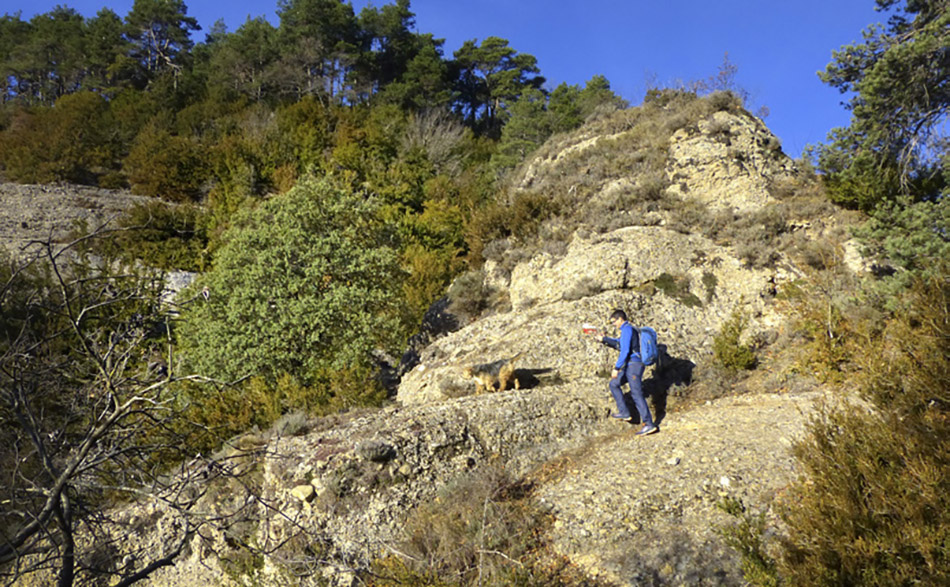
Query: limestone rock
[[39, 212], [303, 492], [552, 297], [728, 162]]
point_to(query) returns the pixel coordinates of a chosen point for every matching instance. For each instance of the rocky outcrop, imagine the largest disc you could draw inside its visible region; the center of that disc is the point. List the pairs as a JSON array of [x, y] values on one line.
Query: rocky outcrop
[[337, 498], [50, 212], [727, 161], [643, 511], [632, 511], [684, 286], [627, 510]]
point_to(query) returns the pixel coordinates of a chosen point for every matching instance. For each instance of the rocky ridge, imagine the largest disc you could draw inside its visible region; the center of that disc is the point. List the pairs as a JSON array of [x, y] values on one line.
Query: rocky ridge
[[552, 297], [626, 510], [32, 213]]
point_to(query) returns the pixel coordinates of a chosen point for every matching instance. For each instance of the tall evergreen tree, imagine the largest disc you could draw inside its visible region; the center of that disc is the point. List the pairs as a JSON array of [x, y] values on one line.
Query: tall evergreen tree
[[426, 83], [319, 45], [160, 30], [899, 77], [389, 39], [241, 63], [14, 33], [565, 112], [56, 53], [528, 127], [491, 76], [108, 60], [597, 94]]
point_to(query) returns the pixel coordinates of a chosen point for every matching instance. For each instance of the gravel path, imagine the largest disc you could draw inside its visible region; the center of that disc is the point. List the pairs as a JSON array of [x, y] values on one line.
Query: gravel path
[[642, 510]]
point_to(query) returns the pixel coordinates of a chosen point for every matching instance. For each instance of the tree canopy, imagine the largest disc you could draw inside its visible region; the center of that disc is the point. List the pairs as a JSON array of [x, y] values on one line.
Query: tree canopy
[[491, 76], [899, 80]]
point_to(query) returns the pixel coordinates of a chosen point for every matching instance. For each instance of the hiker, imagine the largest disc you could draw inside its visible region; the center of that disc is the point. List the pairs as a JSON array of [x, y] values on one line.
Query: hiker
[[628, 369]]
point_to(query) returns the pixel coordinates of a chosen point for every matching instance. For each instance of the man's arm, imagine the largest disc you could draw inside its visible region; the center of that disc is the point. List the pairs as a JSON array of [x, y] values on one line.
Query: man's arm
[[611, 342], [626, 335]]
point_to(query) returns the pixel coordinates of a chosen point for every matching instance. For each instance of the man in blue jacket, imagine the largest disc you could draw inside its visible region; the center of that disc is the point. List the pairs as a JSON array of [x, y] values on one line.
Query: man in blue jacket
[[628, 369]]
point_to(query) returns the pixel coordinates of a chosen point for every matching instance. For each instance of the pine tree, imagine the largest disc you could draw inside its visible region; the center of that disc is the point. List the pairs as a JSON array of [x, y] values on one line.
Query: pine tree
[[899, 76]]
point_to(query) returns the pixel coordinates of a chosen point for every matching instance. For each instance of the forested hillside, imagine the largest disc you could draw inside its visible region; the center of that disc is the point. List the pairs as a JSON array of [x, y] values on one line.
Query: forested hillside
[[341, 186]]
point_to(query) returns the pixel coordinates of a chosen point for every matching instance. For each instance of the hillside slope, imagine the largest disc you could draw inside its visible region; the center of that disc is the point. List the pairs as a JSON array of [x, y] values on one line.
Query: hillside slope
[[684, 212]]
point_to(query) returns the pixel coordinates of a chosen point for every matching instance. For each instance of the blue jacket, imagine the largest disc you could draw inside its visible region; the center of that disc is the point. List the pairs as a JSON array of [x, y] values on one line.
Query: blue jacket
[[628, 344]]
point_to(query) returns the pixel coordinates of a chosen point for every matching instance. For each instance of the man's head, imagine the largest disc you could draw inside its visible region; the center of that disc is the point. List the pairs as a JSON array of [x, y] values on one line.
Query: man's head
[[618, 317]]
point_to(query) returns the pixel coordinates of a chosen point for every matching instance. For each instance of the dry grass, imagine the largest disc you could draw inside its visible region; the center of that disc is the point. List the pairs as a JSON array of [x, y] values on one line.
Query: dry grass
[[482, 529], [609, 174]]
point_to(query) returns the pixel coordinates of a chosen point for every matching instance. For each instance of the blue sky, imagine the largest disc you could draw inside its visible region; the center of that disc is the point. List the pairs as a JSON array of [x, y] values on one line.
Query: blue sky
[[778, 47]]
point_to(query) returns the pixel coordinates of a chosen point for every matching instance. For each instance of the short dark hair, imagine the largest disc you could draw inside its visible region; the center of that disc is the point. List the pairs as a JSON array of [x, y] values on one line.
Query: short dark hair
[[618, 314]]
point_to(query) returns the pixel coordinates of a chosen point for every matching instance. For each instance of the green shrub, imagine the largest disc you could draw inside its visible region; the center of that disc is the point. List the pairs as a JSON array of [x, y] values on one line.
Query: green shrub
[[484, 528], [305, 129], [161, 235], [165, 165], [215, 413], [710, 281], [872, 503], [520, 220], [469, 295], [71, 141], [745, 536], [730, 353], [912, 236], [873, 507], [677, 287], [821, 308], [302, 284], [429, 272]]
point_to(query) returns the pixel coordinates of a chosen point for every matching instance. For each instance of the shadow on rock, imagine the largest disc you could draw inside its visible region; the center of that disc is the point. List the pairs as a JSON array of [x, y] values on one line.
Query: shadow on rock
[[669, 372], [531, 378], [436, 323]]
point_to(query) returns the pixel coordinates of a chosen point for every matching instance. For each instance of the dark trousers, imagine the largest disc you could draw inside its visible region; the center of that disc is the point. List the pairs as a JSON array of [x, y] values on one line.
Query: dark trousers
[[632, 374]]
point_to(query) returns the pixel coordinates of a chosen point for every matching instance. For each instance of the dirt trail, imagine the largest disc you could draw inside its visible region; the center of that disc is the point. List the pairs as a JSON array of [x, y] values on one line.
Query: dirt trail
[[642, 510]]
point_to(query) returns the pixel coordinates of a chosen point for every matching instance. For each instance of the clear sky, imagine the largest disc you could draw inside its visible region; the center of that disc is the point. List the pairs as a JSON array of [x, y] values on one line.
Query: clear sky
[[777, 46]]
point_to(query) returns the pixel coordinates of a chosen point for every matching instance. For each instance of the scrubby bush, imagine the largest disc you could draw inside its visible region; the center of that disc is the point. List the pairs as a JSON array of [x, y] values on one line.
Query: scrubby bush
[[746, 537], [484, 528], [710, 281], [304, 284], [912, 236], [872, 505], [216, 413], [728, 349], [874, 509], [469, 295], [678, 288], [429, 273], [823, 310], [165, 165], [520, 220], [71, 141], [161, 235]]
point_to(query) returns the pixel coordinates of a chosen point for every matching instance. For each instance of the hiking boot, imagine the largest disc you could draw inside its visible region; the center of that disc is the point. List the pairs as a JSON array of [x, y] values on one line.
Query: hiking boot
[[647, 429], [621, 417]]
